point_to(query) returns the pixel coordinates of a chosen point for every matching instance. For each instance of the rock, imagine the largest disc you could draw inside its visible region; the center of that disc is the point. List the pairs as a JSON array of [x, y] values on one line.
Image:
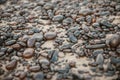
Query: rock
[[2, 1], [72, 38], [28, 53], [38, 36], [54, 57], [96, 52], [2, 54], [31, 42], [38, 76], [8, 43], [11, 65], [85, 12], [48, 6], [58, 18], [22, 75], [44, 63], [34, 68], [106, 23], [16, 46], [100, 59], [85, 28], [113, 41], [115, 60], [96, 46], [50, 35], [67, 21]]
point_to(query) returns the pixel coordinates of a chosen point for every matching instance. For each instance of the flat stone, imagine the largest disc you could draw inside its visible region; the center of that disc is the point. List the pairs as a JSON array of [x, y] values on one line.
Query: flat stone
[[44, 61], [38, 76], [11, 65], [106, 23], [34, 68], [2, 54], [72, 38], [31, 42], [28, 53], [54, 57], [58, 18], [96, 46], [16, 46], [8, 43], [50, 35], [38, 36]]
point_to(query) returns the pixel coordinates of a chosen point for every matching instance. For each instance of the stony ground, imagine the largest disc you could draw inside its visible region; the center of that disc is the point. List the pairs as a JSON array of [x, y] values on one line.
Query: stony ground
[[59, 40]]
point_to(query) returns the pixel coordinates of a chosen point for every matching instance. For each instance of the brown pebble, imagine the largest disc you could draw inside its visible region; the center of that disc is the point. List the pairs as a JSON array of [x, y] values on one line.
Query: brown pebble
[[28, 53], [16, 46], [11, 65]]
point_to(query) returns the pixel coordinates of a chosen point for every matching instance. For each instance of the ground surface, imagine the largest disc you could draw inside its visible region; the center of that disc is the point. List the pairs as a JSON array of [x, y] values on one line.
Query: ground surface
[[59, 40]]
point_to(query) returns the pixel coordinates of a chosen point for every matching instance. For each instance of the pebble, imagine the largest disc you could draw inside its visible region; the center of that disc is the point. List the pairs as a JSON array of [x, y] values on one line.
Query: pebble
[[106, 23], [34, 68], [11, 65], [38, 76], [16, 46], [58, 18], [50, 35], [44, 61], [96, 46], [31, 42], [100, 59], [72, 38], [67, 21], [54, 57], [2, 54], [8, 43], [38, 36], [28, 53]]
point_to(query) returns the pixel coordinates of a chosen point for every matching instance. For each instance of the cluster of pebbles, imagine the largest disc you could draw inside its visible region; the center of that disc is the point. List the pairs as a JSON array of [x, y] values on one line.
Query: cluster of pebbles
[[59, 40]]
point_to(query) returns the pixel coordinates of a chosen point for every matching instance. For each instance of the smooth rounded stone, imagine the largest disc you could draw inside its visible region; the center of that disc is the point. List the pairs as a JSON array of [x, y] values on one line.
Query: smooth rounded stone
[[25, 38], [38, 76], [44, 61], [16, 46], [22, 44], [77, 33], [22, 75], [2, 1], [34, 68], [67, 21], [72, 38], [58, 18], [2, 54], [48, 6], [96, 25], [115, 60], [96, 46], [96, 52], [50, 35], [93, 64], [11, 65], [89, 19], [54, 56], [113, 41], [28, 53], [106, 23], [31, 42], [8, 43], [85, 28], [3, 49], [109, 67], [37, 44], [38, 36], [85, 12], [100, 59]]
